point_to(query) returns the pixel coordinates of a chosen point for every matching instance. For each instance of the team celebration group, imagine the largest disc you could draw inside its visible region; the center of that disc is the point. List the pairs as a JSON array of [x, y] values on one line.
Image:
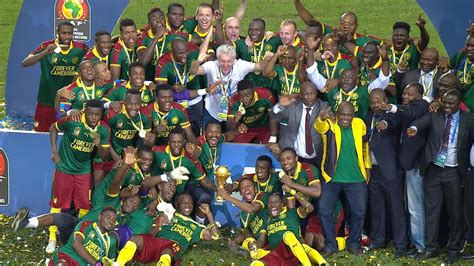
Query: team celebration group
[[373, 136]]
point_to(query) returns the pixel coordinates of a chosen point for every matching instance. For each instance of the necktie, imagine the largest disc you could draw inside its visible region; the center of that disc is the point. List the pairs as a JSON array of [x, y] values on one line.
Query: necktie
[[307, 132], [447, 130]]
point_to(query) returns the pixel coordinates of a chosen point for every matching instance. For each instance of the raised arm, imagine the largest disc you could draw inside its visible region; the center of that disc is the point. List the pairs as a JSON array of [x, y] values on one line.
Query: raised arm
[[32, 59], [304, 14], [424, 36]]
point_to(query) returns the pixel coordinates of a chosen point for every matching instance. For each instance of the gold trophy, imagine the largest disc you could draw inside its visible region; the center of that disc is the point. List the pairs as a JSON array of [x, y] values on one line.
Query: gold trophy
[[221, 174]]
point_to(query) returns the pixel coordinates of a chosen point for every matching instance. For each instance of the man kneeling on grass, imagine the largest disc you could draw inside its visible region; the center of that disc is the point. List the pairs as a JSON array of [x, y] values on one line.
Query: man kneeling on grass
[[168, 240]]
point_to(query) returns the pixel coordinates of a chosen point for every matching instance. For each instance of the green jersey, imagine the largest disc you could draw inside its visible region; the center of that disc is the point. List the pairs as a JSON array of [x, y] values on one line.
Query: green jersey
[[410, 54], [288, 80], [176, 116], [209, 155], [257, 54], [57, 69], [275, 227], [97, 244], [82, 94], [359, 97], [139, 222], [187, 27], [119, 94], [162, 46], [122, 57], [182, 230], [254, 221], [164, 162], [77, 148], [462, 68], [333, 70], [272, 185], [176, 73], [347, 168], [94, 56], [305, 175], [125, 129], [257, 114]]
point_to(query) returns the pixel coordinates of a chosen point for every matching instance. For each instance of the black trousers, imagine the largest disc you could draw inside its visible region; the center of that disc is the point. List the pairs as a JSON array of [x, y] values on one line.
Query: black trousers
[[444, 184], [195, 115], [386, 200]]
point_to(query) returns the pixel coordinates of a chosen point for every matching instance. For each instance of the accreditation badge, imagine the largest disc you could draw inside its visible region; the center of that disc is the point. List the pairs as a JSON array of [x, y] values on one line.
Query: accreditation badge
[[223, 108], [440, 158]]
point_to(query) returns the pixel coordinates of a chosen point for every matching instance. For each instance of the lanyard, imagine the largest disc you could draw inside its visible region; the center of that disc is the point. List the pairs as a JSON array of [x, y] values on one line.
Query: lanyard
[[183, 79], [225, 88], [373, 123], [87, 94], [290, 88], [333, 70], [93, 130], [394, 57], [172, 162], [160, 52], [465, 72], [257, 57], [139, 129], [430, 85], [455, 131], [103, 241], [348, 94]]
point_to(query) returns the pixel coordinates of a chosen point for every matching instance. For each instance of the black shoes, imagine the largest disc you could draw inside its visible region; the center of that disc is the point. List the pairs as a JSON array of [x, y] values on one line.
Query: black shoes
[[428, 254], [21, 219]]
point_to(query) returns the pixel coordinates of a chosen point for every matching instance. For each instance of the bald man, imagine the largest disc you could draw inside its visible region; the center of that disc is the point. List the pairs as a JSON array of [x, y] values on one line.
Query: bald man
[[427, 74], [385, 184]]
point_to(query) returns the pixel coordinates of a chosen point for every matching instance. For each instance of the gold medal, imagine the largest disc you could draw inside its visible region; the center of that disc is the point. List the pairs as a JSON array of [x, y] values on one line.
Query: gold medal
[[142, 133]]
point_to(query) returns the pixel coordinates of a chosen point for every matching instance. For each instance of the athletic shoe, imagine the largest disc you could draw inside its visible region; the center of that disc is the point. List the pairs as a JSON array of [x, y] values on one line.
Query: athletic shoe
[[21, 219]]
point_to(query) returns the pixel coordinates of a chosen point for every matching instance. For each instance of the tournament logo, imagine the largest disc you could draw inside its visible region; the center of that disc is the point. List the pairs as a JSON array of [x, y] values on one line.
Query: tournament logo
[[146, 98], [77, 12], [175, 120], [261, 109], [76, 131], [193, 226], [4, 174], [99, 94]]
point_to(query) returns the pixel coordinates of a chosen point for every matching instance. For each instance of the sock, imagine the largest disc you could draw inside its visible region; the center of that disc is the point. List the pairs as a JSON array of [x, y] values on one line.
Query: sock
[[32, 223], [53, 228], [246, 243], [257, 263], [165, 260], [126, 254], [314, 255], [82, 212], [296, 248], [341, 242], [259, 253]]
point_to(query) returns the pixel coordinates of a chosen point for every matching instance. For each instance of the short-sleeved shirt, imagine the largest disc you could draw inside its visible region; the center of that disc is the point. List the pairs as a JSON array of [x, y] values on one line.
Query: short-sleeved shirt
[[209, 155], [462, 67], [411, 54], [347, 168], [187, 27], [360, 40], [97, 244], [272, 185], [173, 118], [240, 69], [77, 148], [161, 47], [276, 227], [101, 198], [122, 57], [125, 129], [305, 175], [358, 97], [82, 93], [257, 54], [57, 69], [182, 230], [254, 221], [139, 222], [257, 114], [119, 93], [175, 73], [288, 80], [164, 162], [94, 56], [333, 70]]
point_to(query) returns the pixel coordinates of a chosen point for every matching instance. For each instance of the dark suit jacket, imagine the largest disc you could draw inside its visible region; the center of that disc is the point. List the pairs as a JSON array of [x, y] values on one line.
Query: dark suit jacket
[[414, 76], [434, 123], [293, 115], [382, 143], [411, 148]]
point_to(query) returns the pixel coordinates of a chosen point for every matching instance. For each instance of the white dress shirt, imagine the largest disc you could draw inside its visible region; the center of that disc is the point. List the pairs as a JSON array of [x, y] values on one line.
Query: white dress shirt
[[300, 141]]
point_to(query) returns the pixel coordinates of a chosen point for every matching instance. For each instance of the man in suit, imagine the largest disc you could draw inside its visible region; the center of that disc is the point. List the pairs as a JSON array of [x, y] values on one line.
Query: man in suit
[[345, 168], [300, 133], [427, 74], [385, 184], [413, 107], [444, 165]]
